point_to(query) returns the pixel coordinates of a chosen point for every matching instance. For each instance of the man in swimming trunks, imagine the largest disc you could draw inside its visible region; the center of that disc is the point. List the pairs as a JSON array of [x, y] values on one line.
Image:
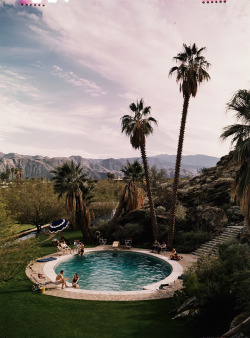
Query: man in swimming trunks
[[81, 249], [60, 279]]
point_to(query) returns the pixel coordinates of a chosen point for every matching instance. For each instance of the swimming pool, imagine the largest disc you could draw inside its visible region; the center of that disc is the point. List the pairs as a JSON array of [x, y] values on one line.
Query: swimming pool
[[115, 271]]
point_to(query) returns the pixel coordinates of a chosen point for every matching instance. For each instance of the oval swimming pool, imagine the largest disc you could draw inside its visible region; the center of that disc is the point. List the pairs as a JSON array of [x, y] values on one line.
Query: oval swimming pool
[[115, 271]]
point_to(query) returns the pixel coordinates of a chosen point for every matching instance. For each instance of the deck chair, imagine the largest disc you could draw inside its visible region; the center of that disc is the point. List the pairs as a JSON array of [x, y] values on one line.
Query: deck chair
[[128, 242], [115, 244], [77, 244], [41, 281]]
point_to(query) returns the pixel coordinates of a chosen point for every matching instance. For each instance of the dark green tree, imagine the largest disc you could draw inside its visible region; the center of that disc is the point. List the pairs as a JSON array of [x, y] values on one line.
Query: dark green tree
[[33, 202], [133, 171], [69, 180], [240, 134]]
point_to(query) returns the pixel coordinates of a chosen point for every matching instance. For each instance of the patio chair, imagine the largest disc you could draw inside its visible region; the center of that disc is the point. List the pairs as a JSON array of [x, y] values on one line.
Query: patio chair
[[102, 241], [115, 245], [40, 281], [77, 244], [128, 242]]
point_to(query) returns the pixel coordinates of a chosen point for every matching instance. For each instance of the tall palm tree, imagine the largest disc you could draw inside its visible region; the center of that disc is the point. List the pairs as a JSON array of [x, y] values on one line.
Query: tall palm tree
[[132, 197], [17, 174], [138, 127], [190, 73], [240, 133], [69, 180], [12, 172], [20, 173], [7, 174]]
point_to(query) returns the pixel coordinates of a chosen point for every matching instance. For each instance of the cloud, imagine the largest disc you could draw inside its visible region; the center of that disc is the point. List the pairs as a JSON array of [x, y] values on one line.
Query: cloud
[[111, 53], [88, 86]]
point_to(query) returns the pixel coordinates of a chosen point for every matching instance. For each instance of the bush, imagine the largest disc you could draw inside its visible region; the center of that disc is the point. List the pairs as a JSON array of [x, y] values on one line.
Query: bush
[[187, 242], [221, 285]]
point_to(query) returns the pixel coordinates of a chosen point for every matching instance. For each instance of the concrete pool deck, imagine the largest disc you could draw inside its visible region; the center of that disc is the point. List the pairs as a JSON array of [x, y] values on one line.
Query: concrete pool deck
[[149, 291]]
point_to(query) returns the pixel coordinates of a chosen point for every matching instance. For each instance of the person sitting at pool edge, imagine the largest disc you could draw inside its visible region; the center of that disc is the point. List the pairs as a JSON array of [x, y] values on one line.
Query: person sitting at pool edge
[[75, 280], [156, 246], [81, 249], [61, 280], [174, 256], [64, 240]]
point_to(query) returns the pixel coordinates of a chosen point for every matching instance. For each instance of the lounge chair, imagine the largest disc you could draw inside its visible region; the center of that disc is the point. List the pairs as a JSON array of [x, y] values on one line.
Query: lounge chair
[[128, 242], [115, 244], [77, 245], [41, 281], [102, 241]]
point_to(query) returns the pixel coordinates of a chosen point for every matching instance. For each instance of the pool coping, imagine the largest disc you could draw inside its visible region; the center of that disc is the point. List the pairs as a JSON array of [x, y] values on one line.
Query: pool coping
[[150, 291]]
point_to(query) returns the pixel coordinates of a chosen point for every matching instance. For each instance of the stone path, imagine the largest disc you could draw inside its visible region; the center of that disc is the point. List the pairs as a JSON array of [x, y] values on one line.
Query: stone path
[[34, 268], [211, 247]]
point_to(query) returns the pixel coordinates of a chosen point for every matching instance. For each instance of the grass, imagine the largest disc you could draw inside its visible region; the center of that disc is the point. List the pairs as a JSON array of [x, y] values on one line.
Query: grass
[[24, 313], [18, 228]]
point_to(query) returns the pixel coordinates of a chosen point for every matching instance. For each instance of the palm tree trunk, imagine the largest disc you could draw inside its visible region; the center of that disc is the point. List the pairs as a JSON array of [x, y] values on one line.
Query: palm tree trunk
[[177, 173], [119, 208], [83, 219], [149, 191]]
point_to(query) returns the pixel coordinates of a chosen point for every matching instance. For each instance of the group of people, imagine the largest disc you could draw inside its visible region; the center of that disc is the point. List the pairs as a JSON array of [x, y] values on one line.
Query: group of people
[[63, 246], [63, 281], [159, 247]]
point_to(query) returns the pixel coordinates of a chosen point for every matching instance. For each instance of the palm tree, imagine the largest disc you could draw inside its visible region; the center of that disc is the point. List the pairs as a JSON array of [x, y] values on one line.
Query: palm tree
[[70, 180], [133, 171], [12, 172], [240, 133], [20, 173], [7, 174], [132, 197], [138, 127], [17, 174], [191, 72]]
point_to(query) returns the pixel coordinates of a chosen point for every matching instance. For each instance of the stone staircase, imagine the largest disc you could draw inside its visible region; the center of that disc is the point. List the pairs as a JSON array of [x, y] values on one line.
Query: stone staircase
[[211, 248]]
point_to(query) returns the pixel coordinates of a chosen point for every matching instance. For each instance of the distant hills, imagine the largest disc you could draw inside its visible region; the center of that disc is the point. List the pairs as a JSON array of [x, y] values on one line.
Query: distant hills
[[39, 166]]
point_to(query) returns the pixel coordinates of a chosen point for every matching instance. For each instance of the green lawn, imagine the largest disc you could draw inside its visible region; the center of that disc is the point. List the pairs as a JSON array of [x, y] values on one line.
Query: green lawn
[[24, 313], [17, 228]]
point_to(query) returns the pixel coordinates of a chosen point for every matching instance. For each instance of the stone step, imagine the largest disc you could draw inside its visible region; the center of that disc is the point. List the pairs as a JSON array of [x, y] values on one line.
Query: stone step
[[211, 247], [207, 249]]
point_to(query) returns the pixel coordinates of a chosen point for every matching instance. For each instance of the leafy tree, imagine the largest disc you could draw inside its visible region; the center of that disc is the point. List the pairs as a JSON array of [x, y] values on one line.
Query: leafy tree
[[110, 176], [13, 255], [240, 134], [138, 127], [133, 171], [33, 203], [3, 177], [221, 284], [157, 176], [191, 72], [70, 180]]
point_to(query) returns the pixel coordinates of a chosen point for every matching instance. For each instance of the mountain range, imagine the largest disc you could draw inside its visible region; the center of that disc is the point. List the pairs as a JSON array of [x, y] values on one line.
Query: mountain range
[[40, 166]]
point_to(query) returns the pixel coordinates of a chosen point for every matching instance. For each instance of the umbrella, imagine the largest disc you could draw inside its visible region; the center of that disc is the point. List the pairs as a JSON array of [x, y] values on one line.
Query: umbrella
[[58, 225]]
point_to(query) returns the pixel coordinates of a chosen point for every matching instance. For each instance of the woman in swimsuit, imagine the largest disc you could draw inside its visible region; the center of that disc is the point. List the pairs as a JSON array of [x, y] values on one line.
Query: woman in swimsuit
[[75, 280]]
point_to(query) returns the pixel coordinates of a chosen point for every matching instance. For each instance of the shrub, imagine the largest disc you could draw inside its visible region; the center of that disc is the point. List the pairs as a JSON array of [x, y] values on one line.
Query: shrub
[[187, 242]]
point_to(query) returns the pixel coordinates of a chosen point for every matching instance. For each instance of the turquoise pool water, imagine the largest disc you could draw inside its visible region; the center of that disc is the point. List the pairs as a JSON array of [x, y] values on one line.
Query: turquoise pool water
[[115, 271]]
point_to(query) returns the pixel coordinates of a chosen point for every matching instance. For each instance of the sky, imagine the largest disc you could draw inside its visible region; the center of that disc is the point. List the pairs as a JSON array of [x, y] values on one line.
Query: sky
[[70, 70]]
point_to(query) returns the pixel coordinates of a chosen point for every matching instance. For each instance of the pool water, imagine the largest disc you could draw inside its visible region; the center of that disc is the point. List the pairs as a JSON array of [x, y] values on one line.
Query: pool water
[[115, 271]]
